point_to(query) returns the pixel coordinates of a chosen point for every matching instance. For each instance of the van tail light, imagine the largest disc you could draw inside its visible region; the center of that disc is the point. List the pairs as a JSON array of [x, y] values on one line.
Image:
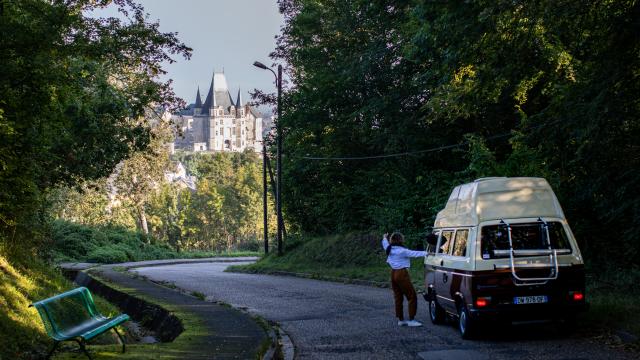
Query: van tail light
[[482, 301], [577, 295]]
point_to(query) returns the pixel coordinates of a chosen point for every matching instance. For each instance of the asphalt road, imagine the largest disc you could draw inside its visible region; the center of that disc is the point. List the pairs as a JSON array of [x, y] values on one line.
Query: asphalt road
[[327, 320]]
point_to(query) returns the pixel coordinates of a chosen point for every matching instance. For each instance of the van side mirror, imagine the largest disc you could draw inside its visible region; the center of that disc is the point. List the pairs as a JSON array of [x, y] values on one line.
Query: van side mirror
[[432, 239]]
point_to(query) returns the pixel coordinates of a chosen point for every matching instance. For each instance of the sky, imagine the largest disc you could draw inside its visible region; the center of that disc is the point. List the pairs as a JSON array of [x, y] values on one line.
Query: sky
[[225, 35]]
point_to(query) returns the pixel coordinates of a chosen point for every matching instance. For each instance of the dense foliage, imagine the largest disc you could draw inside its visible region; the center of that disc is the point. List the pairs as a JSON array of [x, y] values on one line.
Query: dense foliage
[[477, 88], [72, 90], [222, 213], [225, 210], [103, 244]]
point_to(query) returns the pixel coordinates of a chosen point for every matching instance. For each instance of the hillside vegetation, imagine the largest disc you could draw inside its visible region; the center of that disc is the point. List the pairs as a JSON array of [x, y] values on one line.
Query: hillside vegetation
[[222, 213], [390, 106], [356, 256], [24, 280]]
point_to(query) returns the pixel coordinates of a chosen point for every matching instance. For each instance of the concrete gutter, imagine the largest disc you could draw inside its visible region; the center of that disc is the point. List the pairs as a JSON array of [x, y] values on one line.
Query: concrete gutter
[[164, 322]]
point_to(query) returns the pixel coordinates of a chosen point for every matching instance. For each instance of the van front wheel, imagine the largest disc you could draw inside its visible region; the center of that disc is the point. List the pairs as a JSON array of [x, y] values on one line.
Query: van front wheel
[[436, 312], [466, 324]]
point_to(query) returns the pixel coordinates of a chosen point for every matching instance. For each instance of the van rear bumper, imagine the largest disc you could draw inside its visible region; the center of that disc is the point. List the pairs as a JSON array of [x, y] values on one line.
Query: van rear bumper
[[528, 312]]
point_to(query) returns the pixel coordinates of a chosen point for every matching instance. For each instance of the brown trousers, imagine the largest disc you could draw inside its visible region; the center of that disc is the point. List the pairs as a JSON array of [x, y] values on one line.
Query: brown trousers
[[402, 287]]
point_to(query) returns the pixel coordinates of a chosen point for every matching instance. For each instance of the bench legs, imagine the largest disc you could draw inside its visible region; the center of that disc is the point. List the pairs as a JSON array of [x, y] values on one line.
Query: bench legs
[[83, 348], [81, 343], [121, 338], [53, 349]]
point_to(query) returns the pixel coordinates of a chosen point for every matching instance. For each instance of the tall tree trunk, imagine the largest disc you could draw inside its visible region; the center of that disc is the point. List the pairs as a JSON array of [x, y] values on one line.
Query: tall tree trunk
[[142, 221]]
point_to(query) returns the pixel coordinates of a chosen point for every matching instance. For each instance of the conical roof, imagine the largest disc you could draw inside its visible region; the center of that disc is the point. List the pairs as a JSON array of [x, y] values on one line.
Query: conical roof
[[239, 98], [210, 100], [198, 100], [218, 95]]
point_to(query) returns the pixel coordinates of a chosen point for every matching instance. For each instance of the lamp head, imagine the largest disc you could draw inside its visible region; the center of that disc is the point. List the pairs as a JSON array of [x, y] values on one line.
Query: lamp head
[[260, 65]]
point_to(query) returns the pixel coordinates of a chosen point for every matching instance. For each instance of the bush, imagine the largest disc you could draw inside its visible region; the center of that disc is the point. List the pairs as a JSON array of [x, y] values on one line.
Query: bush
[[108, 255], [105, 244], [112, 244]]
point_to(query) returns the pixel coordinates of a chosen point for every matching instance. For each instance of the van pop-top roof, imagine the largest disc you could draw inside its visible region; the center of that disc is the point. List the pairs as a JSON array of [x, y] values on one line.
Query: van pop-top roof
[[499, 197]]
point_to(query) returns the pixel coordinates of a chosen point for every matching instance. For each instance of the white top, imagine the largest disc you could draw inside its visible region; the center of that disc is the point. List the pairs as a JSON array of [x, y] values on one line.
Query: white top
[[399, 256], [495, 198]]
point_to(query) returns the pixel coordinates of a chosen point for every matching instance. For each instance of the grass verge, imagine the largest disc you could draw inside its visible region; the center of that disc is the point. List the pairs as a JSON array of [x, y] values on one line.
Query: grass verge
[[23, 280], [193, 334], [356, 256]]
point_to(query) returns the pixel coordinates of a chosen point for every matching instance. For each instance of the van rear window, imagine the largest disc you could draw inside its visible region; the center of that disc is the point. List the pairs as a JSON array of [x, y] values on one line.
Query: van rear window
[[528, 236]]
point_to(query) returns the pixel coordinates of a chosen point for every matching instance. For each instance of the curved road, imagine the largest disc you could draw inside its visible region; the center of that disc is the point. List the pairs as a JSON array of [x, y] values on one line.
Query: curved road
[[328, 320]]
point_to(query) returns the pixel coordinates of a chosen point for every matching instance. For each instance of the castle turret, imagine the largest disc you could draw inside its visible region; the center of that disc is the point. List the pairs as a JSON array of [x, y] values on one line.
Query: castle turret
[[197, 108], [210, 100], [239, 105]]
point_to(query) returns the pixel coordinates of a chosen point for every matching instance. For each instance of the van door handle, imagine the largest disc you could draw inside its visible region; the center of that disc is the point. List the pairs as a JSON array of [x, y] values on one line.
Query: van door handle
[[441, 262], [445, 277]]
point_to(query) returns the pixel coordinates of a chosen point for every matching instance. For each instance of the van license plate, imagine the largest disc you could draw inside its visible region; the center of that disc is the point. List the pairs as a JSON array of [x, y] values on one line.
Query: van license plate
[[530, 299]]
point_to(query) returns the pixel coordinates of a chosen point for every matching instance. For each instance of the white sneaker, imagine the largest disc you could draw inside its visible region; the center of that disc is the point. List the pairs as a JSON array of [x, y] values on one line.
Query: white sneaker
[[402, 323], [413, 323]]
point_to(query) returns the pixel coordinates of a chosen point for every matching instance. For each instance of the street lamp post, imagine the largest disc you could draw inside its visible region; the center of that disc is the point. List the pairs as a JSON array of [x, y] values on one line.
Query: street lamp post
[[264, 197], [279, 152]]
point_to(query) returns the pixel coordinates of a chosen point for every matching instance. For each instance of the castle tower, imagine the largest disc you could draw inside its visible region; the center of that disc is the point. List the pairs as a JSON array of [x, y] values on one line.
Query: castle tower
[[220, 123]]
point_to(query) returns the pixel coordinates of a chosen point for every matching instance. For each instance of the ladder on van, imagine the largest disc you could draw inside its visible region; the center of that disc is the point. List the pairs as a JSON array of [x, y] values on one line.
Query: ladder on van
[[549, 251]]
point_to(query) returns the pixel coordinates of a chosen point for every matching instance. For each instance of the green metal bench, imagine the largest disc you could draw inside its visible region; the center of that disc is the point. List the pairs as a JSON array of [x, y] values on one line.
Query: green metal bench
[[72, 316]]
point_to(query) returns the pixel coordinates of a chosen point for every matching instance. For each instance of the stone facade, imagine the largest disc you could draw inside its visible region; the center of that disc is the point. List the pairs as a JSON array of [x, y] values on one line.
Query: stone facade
[[219, 123]]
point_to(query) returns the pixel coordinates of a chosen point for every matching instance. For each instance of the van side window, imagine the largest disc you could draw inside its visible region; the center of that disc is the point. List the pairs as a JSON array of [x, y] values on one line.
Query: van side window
[[445, 242], [460, 244]]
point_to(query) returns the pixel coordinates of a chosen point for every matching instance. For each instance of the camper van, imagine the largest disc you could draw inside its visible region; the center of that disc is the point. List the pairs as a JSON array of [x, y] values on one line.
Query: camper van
[[504, 252]]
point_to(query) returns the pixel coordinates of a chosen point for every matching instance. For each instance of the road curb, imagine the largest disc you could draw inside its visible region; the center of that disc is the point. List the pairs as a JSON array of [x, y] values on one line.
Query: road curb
[[282, 346], [275, 349], [272, 352]]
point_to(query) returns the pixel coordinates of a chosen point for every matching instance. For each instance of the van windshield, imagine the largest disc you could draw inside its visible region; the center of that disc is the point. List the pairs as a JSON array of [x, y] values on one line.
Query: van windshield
[[526, 236]]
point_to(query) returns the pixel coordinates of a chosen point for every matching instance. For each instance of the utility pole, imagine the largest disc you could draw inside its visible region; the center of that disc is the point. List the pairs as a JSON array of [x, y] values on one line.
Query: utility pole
[[264, 197], [279, 152], [275, 195], [279, 183]]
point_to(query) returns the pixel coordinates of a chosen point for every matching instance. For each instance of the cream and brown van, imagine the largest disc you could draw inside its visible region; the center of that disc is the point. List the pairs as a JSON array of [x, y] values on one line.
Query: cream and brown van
[[504, 252]]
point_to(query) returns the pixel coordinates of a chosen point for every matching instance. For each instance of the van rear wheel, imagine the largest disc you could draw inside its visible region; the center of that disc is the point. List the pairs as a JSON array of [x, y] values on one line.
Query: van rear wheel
[[436, 312], [466, 324]]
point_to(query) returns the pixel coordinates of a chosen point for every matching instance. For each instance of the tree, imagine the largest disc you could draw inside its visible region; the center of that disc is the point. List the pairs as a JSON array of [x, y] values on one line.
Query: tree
[[537, 88], [72, 91], [143, 173]]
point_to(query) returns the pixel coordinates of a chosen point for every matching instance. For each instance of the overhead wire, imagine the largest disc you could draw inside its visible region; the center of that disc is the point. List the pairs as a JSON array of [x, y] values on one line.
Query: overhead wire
[[439, 148]]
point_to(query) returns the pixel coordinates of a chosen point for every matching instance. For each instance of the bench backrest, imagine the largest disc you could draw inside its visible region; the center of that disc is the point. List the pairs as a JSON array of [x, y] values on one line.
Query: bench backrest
[[64, 311]]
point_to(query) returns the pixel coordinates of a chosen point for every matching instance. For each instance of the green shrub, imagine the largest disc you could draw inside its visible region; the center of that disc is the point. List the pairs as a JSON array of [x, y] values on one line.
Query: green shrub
[[112, 244], [108, 255], [105, 244]]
